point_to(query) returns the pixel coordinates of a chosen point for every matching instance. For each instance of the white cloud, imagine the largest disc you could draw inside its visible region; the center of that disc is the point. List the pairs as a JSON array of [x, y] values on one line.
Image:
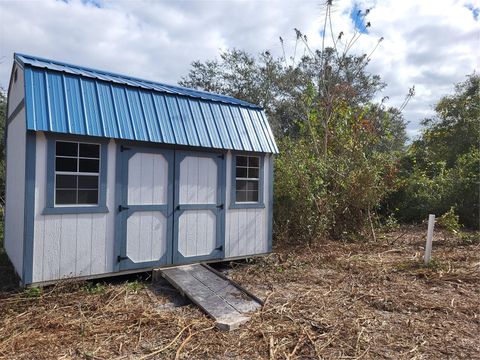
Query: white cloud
[[431, 45]]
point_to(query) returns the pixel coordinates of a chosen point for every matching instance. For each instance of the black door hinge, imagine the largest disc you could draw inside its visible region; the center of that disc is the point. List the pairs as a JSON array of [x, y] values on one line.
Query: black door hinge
[[219, 248], [124, 148], [120, 258], [220, 206], [121, 208], [221, 156]]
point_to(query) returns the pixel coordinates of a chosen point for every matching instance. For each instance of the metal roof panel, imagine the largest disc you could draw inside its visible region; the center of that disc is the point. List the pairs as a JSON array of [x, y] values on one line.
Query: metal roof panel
[[73, 99]]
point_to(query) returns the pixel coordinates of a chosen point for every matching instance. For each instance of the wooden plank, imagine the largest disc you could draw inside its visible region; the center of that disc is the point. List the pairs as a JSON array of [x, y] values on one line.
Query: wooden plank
[[99, 244], [145, 234], [212, 281], [240, 301], [134, 171], [214, 294], [160, 180], [159, 235], [202, 296], [84, 230], [146, 179]]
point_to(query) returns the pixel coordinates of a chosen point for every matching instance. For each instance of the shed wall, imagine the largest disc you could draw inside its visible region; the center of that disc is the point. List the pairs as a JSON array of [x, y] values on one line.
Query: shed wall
[[16, 90], [246, 230], [15, 190], [82, 245], [71, 245]]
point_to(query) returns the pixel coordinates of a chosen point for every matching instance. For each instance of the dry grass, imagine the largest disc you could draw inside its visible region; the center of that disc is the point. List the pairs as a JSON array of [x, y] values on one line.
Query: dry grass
[[332, 301]]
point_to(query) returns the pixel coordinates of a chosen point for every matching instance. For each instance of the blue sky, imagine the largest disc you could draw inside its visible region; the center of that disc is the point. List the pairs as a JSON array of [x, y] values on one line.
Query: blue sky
[[358, 16], [429, 44]]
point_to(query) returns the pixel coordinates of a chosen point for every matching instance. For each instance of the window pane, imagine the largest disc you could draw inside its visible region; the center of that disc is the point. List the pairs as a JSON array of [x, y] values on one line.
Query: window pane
[[241, 185], [65, 197], [241, 196], [87, 165], [241, 161], [253, 173], [66, 182], [253, 161], [252, 196], [87, 196], [241, 172], [66, 148], [87, 182], [90, 150], [65, 164], [252, 185]]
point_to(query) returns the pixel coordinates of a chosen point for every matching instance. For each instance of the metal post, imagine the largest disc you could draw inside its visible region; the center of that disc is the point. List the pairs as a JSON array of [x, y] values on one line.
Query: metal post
[[428, 247]]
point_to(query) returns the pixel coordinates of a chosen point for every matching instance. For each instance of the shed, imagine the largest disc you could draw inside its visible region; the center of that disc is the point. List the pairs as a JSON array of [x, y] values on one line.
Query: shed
[[110, 174]]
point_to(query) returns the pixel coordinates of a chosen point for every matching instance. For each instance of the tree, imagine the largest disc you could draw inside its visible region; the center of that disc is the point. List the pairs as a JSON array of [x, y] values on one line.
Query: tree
[[337, 147], [441, 169], [455, 128], [279, 87]]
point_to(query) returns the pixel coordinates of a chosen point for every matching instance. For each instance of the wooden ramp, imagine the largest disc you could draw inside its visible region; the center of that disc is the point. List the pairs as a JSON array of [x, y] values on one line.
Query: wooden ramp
[[227, 302]]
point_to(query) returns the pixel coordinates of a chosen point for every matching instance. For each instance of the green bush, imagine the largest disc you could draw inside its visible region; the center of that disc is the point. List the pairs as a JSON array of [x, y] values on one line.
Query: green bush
[[441, 169], [449, 222], [333, 192], [32, 292], [435, 189], [464, 188], [97, 288]]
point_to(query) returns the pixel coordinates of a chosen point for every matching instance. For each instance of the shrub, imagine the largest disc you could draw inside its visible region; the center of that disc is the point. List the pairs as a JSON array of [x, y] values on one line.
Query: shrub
[[442, 168], [449, 221], [332, 193]]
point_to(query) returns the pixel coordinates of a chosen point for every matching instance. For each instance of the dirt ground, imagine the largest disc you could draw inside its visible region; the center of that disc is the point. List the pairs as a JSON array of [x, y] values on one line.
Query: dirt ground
[[334, 300]]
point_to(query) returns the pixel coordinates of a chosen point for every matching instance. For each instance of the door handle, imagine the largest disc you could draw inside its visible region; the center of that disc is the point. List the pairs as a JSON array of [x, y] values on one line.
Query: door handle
[[121, 208]]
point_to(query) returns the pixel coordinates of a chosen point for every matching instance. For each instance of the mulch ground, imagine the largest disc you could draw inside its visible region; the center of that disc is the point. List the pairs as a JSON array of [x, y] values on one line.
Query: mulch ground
[[333, 300]]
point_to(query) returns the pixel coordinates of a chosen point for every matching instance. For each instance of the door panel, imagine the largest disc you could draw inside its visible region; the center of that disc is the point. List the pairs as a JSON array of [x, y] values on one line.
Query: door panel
[[146, 236], [198, 180], [147, 179], [145, 207], [199, 213], [197, 233], [169, 207]]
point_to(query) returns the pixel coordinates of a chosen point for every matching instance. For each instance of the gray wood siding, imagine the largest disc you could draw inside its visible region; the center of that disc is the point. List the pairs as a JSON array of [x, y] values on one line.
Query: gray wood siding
[[16, 90], [147, 179], [71, 245], [15, 190], [196, 232], [198, 180], [246, 230], [146, 236]]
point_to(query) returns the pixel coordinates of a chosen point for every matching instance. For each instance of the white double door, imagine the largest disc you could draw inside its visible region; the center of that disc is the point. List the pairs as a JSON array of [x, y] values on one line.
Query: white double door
[[170, 207]]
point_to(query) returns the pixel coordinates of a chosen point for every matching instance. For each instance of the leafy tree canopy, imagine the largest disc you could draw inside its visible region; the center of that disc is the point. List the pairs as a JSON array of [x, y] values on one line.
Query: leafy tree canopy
[[281, 87], [441, 170], [455, 128]]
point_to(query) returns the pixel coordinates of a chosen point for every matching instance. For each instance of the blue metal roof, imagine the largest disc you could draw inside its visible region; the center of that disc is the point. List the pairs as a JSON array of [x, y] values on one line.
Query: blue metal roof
[[72, 99]]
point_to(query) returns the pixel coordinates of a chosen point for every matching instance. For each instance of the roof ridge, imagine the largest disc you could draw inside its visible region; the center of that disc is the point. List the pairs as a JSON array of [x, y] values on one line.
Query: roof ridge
[[235, 101]]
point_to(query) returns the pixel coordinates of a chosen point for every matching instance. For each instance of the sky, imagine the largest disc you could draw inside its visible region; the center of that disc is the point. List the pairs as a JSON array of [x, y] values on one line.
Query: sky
[[429, 44]]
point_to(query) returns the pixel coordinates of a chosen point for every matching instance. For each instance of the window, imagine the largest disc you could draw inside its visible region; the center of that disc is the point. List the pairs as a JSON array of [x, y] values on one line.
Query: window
[[247, 179], [77, 173]]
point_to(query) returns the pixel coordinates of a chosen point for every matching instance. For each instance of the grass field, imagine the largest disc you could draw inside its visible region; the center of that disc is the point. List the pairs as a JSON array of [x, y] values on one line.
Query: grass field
[[332, 301]]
